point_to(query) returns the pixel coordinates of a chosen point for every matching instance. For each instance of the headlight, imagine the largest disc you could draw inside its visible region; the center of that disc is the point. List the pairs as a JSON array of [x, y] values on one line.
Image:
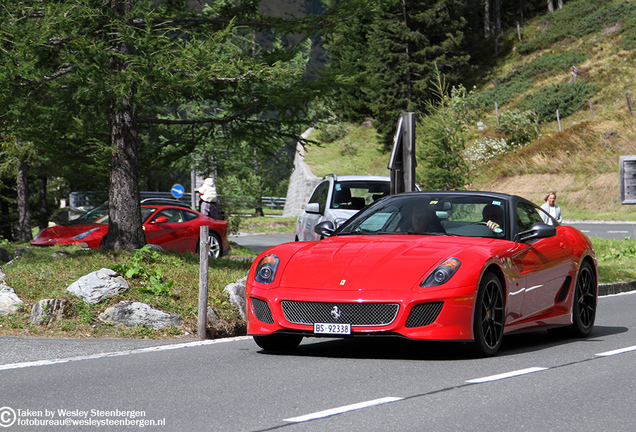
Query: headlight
[[85, 234], [442, 273], [266, 270]]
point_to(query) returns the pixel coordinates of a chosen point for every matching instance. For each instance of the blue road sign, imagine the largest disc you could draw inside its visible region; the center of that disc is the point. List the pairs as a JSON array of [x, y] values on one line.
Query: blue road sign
[[177, 191]]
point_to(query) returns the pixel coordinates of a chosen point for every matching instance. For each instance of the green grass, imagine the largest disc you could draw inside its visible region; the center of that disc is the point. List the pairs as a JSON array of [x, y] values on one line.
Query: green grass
[[616, 259]]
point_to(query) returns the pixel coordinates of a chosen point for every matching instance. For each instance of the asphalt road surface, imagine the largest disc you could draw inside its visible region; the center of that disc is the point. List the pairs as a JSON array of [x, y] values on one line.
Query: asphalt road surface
[[536, 383]]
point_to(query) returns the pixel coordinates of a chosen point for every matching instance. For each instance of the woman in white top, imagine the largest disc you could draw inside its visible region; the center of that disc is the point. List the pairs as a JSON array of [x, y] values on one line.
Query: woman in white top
[[552, 208]]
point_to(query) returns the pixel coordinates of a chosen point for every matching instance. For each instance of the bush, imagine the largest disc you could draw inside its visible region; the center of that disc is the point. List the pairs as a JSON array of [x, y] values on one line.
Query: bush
[[520, 126], [485, 149], [567, 98]]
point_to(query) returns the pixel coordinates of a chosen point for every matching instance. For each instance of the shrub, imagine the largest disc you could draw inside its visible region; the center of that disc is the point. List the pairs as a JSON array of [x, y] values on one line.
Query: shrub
[[520, 126], [567, 98], [485, 149]]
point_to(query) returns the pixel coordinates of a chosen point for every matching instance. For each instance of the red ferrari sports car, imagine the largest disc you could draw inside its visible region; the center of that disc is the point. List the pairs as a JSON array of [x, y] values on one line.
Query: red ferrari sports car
[[439, 266], [171, 227]]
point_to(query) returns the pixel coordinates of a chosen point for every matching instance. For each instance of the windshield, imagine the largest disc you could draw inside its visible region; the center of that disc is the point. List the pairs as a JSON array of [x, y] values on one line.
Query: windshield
[[434, 214], [355, 194]]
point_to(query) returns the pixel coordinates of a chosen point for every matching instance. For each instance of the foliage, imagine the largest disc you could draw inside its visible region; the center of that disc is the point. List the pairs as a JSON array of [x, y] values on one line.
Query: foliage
[[566, 98], [581, 18], [503, 93], [401, 41], [519, 126], [484, 149], [441, 145], [152, 280]]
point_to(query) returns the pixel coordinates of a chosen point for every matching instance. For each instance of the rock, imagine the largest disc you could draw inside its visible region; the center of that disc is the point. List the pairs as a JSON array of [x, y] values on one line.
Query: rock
[[60, 254], [19, 253], [132, 314], [2, 275], [9, 301], [236, 291], [213, 318], [46, 311], [96, 286], [5, 256]]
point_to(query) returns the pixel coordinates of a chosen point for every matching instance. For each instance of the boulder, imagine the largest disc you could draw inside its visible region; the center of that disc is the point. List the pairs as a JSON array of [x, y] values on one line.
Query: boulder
[[96, 286], [236, 291], [5, 256], [9, 301], [132, 314], [49, 310]]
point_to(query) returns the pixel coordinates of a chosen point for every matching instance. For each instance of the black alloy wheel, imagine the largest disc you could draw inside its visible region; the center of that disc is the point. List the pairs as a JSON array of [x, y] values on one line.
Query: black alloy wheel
[[584, 306], [488, 326]]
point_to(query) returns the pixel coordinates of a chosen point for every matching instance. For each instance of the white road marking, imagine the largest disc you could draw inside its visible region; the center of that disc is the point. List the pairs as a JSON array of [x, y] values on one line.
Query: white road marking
[[341, 410], [618, 232], [507, 375], [617, 351], [119, 353]]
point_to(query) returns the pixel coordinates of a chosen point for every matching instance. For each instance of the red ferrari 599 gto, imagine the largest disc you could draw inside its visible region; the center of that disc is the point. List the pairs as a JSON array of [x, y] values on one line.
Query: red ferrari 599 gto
[[439, 266]]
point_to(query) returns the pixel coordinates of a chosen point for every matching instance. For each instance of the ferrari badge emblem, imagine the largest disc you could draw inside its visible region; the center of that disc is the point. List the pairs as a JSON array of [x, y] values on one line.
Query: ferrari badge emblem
[[335, 313]]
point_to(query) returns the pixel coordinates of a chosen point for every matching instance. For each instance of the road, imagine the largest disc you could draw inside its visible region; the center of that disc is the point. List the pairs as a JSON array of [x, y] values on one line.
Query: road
[[606, 229], [536, 383]]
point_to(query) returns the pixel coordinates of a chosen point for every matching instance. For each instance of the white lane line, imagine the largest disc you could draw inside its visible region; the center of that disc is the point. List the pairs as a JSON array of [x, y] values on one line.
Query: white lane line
[[341, 410], [507, 375], [119, 353], [618, 351]]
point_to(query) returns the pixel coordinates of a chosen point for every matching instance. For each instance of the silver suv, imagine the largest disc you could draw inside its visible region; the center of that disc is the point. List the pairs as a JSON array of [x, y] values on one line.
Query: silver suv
[[336, 199]]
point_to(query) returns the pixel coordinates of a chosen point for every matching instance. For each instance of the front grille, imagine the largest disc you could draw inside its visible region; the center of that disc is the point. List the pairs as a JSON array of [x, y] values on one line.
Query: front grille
[[356, 314], [424, 314], [262, 311]]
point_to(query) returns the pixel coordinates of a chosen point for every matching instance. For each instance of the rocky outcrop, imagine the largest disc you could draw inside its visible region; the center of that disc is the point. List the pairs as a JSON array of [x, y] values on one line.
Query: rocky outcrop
[[96, 286], [49, 310], [9, 301], [133, 314], [236, 291]]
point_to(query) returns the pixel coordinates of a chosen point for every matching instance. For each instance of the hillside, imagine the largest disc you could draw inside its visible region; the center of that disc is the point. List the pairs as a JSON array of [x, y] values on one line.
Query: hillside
[[581, 161]]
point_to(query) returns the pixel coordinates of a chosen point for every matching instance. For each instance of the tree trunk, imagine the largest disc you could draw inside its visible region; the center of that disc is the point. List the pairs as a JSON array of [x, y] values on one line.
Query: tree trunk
[[560, 4], [550, 6], [487, 29], [124, 223], [24, 212], [43, 209]]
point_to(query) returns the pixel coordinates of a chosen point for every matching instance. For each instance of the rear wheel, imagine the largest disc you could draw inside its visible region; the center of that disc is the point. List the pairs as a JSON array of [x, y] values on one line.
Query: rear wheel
[[488, 325], [278, 342], [215, 246]]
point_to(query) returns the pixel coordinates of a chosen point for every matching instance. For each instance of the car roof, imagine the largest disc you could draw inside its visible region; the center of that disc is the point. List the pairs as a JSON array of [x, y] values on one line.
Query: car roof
[[358, 177]]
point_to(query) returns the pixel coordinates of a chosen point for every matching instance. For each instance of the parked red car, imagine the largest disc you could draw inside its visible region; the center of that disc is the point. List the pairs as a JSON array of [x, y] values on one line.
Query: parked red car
[[171, 227]]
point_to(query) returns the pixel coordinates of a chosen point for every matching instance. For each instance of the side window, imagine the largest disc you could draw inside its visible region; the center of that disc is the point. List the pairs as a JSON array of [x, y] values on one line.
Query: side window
[[320, 195], [173, 215], [188, 215], [527, 216]]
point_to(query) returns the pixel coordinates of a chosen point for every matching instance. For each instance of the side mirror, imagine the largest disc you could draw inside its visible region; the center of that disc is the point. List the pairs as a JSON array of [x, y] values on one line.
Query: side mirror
[[538, 231], [160, 219], [313, 208], [324, 229]]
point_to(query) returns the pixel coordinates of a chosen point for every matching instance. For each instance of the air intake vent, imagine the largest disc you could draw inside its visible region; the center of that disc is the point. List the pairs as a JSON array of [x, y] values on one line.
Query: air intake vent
[[356, 314], [262, 311], [424, 314]]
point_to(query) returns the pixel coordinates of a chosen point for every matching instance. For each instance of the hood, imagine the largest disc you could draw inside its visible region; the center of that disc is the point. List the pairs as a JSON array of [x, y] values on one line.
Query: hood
[[370, 262]]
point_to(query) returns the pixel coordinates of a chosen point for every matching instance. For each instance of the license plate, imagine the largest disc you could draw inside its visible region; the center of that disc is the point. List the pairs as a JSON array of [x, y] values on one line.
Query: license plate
[[336, 329]]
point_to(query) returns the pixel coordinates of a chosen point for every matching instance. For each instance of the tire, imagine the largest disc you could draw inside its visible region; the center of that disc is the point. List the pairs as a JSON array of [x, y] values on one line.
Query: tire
[[489, 318], [215, 247], [583, 305], [278, 342]]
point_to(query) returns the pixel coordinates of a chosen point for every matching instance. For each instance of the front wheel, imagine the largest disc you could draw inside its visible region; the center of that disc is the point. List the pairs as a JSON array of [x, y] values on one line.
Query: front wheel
[[488, 325], [278, 342]]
